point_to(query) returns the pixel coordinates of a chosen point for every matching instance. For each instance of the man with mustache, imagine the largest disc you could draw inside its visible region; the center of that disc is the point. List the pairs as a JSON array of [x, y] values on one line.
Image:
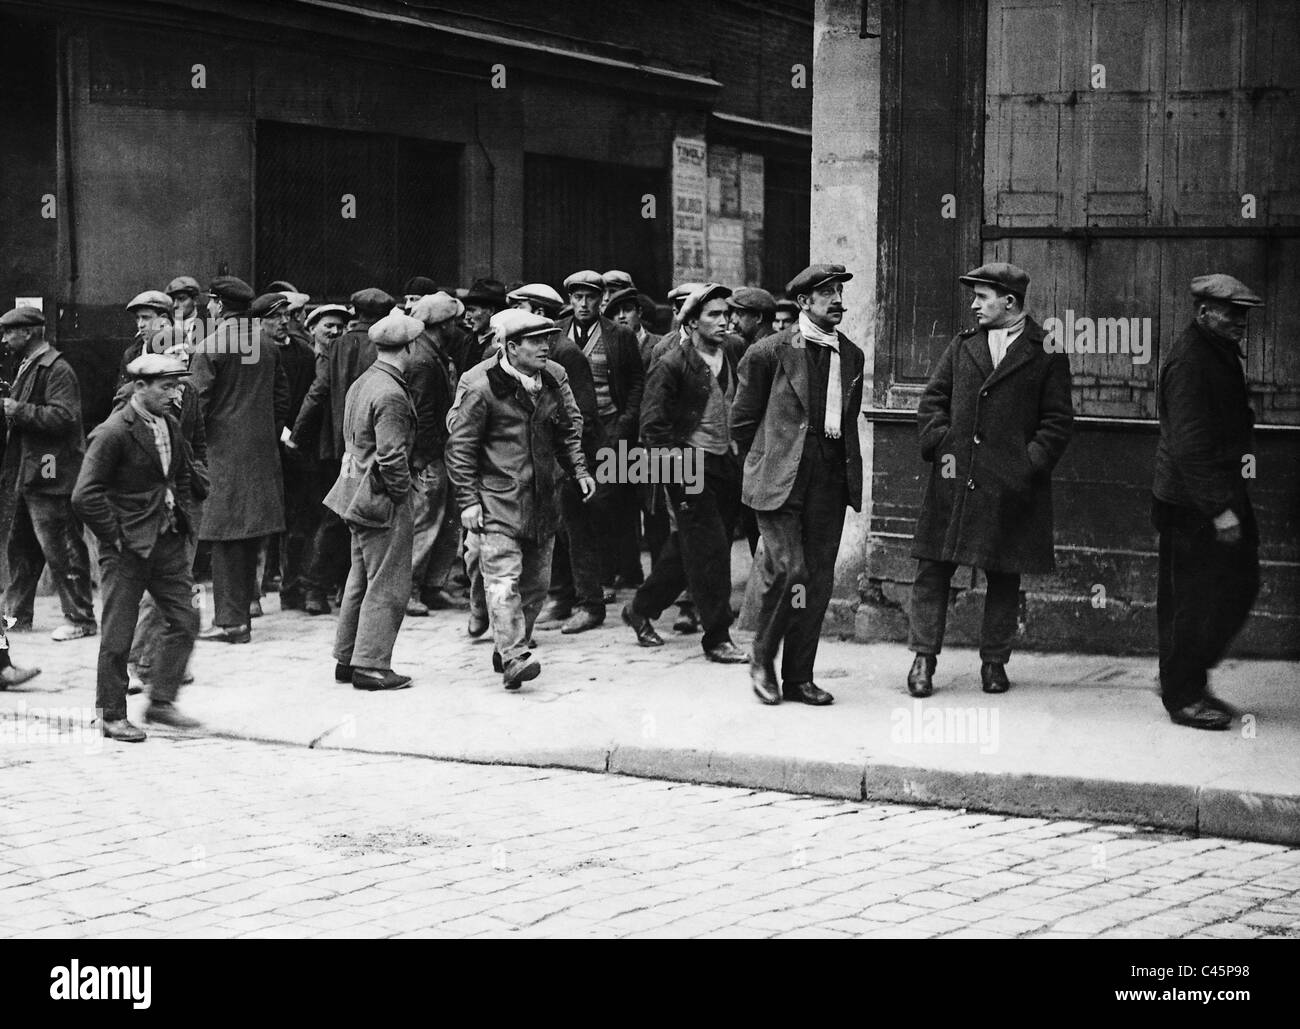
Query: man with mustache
[[795, 419]]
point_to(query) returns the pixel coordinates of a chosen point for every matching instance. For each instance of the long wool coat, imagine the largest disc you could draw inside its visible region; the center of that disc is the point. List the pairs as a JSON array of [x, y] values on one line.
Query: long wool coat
[[245, 402], [993, 438]]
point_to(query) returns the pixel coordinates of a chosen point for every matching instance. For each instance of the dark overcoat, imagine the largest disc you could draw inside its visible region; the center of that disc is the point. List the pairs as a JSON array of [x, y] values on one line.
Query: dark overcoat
[[992, 438], [45, 439], [244, 398]]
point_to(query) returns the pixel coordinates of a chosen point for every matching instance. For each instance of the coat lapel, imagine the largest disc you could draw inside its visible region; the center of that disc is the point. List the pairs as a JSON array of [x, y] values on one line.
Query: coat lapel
[[795, 363], [978, 348], [1020, 353], [143, 435]]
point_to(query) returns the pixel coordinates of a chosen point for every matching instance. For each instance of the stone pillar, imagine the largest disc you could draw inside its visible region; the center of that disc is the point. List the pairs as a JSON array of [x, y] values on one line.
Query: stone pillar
[[845, 188]]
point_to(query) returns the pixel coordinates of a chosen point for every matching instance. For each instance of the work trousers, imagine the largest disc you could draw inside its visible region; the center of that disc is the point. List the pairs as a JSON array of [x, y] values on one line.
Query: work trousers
[[515, 573], [928, 616], [329, 558], [436, 528], [578, 563], [46, 530], [124, 578], [800, 541], [152, 624], [378, 587], [234, 579], [1203, 596], [698, 551]]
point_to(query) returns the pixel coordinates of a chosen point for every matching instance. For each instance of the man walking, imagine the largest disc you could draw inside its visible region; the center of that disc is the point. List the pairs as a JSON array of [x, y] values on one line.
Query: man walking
[[132, 493], [42, 457], [687, 408], [373, 498], [993, 421], [244, 396], [795, 419], [512, 426], [1209, 541]]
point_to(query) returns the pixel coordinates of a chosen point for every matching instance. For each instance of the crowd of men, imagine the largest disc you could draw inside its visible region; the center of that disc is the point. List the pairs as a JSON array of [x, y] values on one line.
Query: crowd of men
[[439, 451]]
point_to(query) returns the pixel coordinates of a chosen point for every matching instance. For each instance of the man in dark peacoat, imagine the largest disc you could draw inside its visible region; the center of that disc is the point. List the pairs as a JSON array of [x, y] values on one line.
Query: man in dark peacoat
[[796, 421], [133, 493], [42, 457], [1209, 540], [994, 419], [244, 396]]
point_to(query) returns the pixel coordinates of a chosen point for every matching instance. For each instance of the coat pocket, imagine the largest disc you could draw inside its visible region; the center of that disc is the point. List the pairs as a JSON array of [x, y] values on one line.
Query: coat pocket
[[370, 506]]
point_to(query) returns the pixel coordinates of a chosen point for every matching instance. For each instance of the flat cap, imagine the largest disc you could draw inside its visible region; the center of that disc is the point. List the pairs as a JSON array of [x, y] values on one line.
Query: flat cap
[[297, 301], [437, 307], [154, 299], [620, 298], [420, 286], [683, 290], [371, 302], [617, 280], [538, 293], [394, 330], [585, 279], [184, 284], [1225, 288], [788, 305], [320, 312], [20, 317], [751, 298], [227, 287], [1000, 275], [156, 366], [817, 275], [513, 323], [268, 303], [486, 293], [696, 301], [280, 286]]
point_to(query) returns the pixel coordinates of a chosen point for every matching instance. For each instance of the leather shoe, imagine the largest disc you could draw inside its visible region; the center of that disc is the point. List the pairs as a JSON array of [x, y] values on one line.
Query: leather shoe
[[1210, 700], [807, 693], [255, 609], [645, 631], [11, 676], [123, 731], [166, 714], [688, 621], [582, 620], [228, 634], [993, 677], [478, 625], [316, 604], [1200, 715], [73, 631], [763, 678], [342, 672], [920, 680], [520, 670], [416, 608], [371, 682], [553, 614], [727, 653]]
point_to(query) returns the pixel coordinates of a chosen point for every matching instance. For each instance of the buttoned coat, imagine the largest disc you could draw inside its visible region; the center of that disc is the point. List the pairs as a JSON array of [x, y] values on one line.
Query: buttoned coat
[[626, 375], [379, 421], [121, 491], [506, 449], [45, 441], [244, 397], [769, 417], [993, 438]]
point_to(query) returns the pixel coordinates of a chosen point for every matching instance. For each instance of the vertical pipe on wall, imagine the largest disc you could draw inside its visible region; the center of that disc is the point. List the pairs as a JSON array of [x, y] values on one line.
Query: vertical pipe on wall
[[65, 159]]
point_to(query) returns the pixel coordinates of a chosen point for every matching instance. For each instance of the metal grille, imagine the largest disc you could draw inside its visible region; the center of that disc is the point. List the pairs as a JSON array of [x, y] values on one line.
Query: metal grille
[[407, 209]]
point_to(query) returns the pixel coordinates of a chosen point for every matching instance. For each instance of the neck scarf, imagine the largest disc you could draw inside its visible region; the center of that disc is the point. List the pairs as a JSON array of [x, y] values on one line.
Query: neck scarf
[[834, 401], [532, 383], [1001, 339]]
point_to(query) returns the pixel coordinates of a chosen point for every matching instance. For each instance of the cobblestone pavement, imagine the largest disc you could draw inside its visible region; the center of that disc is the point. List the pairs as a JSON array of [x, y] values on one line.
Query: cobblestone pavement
[[206, 836]]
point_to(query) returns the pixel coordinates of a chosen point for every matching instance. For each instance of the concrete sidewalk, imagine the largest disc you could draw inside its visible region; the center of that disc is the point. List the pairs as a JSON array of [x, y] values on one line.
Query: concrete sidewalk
[[1078, 736]]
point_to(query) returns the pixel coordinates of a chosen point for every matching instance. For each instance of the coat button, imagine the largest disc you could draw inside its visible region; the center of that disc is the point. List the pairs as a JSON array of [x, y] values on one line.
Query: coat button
[[978, 439], [970, 483], [984, 393]]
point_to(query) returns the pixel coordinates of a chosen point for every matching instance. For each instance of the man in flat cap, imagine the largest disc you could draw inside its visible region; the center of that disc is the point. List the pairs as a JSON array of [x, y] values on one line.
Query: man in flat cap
[[431, 379], [153, 313], [615, 281], [42, 456], [536, 298], [751, 317], [326, 324], [993, 421], [512, 427], [227, 295], [133, 494], [795, 419], [626, 307], [244, 396], [373, 497], [1209, 540], [687, 413], [482, 300], [677, 296], [184, 291], [417, 286], [619, 379], [784, 314], [320, 425]]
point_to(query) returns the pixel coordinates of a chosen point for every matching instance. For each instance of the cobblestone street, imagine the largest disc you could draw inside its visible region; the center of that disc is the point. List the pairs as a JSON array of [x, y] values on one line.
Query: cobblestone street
[[199, 837]]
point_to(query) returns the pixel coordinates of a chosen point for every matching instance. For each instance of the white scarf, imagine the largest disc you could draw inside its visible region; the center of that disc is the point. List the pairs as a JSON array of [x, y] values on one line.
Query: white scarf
[[834, 401], [1000, 340], [532, 383]]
